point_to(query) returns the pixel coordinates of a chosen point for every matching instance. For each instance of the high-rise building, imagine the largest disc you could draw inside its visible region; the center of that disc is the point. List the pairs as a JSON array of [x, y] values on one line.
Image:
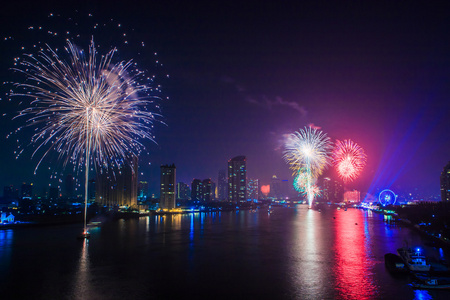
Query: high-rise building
[[117, 187], [222, 186], [332, 190], [352, 196], [197, 190], [338, 191], [183, 191], [253, 189], [326, 189], [275, 188], [142, 193], [237, 179], [445, 183], [208, 190], [26, 191], [168, 184]]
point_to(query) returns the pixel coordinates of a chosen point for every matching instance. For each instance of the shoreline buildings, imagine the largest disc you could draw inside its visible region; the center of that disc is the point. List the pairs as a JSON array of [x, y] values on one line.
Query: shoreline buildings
[[237, 179], [445, 183], [167, 188], [117, 187]]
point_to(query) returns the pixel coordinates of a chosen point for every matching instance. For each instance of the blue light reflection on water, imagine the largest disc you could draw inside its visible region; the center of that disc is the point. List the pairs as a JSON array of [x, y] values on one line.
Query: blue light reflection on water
[[422, 295], [6, 241], [288, 254]]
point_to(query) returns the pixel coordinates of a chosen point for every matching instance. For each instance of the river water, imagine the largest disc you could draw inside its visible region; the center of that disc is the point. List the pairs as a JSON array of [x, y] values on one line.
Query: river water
[[292, 253]]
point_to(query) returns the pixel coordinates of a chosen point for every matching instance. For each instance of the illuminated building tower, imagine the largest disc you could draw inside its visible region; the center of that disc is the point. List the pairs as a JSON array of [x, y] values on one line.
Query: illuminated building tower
[[332, 190], [213, 191], [275, 188], [208, 190], [27, 191], [338, 191], [237, 179], [253, 189], [222, 186], [326, 189], [168, 181], [117, 187], [352, 197], [197, 190], [445, 183], [142, 192], [183, 191]]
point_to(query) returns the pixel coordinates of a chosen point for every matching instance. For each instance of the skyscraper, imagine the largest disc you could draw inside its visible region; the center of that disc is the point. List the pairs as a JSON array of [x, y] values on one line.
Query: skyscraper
[[275, 188], [445, 183], [117, 187], [183, 191], [197, 190], [208, 190], [332, 190], [222, 186], [142, 191], [237, 179], [253, 189], [168, 183]]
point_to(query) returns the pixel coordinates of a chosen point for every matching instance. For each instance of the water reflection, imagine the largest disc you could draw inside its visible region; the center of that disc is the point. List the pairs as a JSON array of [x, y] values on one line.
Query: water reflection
[[309, 271], [6, 238], [82, 288], [353, 266], [422, 295]]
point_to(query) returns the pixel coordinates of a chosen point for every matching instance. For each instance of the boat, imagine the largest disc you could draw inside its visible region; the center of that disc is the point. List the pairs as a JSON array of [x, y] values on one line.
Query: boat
[[394, 263], [84, 235], [425, 282], [415, 261]]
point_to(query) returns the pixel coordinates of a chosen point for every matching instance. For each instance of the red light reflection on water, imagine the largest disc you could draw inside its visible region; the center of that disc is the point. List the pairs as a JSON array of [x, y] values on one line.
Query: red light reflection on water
[[353, 265]]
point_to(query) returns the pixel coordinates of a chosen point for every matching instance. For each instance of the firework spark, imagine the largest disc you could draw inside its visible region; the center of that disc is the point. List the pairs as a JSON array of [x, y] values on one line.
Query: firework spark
[[86, 104], [308, 153], [349, 159], [86, 107]]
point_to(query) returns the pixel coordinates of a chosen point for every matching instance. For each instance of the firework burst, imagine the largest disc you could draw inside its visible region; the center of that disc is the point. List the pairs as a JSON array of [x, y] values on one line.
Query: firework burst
[[308, 152], [85, 107], [349, 159], [85, 104]]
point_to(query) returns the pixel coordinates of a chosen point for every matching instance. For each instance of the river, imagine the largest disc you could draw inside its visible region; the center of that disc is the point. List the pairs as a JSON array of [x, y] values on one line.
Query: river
[[292, 253]]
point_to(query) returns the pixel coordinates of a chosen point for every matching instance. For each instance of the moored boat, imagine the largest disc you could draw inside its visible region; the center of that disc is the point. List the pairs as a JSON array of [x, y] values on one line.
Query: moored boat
[[84, 235], [415, 261], [394, 263], [442, 283]]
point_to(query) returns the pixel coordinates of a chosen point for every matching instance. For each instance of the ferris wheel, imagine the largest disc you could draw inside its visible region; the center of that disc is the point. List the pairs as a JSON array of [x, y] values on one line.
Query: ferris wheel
[[387, 197]]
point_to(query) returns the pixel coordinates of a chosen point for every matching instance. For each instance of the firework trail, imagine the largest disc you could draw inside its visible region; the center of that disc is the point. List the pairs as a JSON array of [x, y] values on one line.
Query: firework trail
[[301, 185], [349, 159], [308, 152], [86, 107]]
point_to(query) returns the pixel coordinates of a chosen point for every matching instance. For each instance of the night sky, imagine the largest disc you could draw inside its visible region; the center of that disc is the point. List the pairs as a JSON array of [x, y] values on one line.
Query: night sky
[[243, 75]]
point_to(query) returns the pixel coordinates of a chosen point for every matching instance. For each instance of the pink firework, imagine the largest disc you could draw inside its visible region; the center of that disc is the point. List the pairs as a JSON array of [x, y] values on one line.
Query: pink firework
[[349, 159]]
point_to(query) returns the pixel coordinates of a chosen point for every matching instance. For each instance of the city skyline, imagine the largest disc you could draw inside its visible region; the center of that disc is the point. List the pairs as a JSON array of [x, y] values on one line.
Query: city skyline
[[377, 74]]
